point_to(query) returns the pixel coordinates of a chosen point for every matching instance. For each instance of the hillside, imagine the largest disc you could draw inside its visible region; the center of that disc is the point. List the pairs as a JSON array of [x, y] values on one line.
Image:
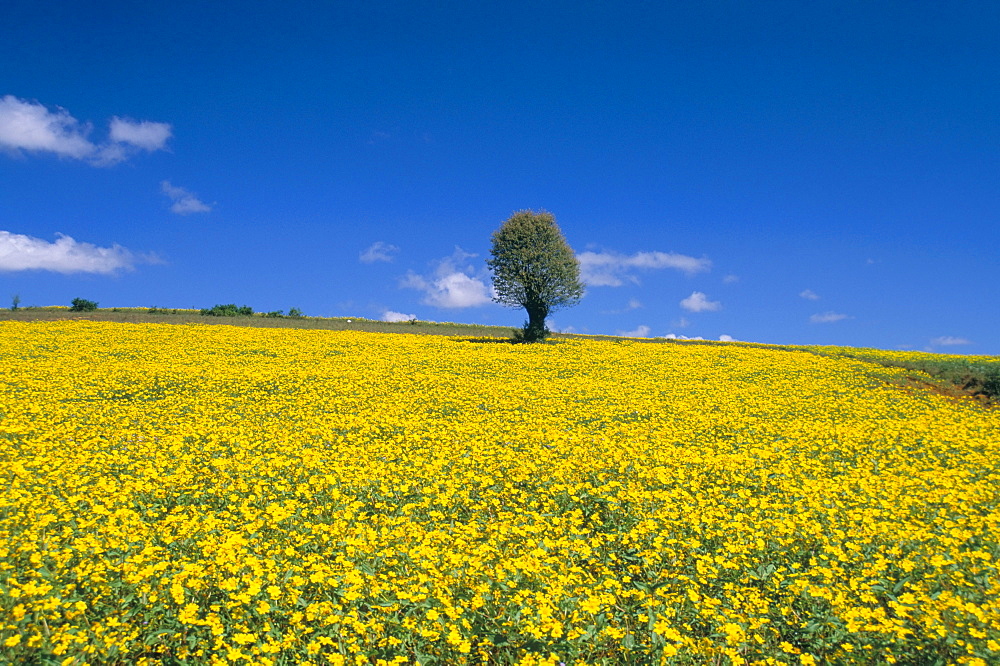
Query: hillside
[[215, 494], [955, 375]]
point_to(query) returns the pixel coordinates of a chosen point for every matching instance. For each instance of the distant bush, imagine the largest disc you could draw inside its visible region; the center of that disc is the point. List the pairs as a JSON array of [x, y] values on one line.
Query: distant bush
[[991, 384], [82, 305], [296, 313], [275, 314], [228, 310]]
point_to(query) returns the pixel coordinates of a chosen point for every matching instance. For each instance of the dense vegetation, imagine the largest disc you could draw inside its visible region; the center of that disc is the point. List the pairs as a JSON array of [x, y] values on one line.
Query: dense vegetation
[[228, 494]]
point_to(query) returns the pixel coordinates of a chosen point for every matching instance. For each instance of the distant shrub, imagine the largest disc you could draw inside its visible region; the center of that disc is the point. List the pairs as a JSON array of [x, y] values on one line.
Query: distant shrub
[[228, 310], [82, 305], [15, 302], [991, 384], [296, 313], [275, 314]]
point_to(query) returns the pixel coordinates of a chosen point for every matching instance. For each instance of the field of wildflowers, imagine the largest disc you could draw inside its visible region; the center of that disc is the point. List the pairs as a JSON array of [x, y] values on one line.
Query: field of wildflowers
[[224, 495]]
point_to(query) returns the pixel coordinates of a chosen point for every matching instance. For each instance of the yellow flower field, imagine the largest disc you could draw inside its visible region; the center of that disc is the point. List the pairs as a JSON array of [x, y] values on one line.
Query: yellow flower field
[[215, 494]]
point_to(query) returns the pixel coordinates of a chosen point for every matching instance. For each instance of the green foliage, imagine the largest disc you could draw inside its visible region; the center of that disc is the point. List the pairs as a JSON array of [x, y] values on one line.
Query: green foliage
[[82, 305], [534, 268], [15, 302], [991, 383], [294, 313], [228, 310]]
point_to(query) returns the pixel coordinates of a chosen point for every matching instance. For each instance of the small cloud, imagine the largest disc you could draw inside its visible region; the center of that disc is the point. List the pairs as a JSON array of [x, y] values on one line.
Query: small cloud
[[674, 336], [698, 302], [24, 253], [611, 269], [683, 322], [378, 251], [30, 126], [828, 318], [726, 338], [809, 295], [390, 315], [641, 332], [731, 279], [949, 341], [454, 290], [184, 202], [143, 134], [453, 283]]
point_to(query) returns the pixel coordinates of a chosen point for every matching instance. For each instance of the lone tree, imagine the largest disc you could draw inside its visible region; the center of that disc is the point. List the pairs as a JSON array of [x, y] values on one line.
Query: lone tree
[[535, 269]]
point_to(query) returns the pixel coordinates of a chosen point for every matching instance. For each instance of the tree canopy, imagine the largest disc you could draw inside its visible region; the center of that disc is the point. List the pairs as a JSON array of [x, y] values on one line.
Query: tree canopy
[[534, 267]]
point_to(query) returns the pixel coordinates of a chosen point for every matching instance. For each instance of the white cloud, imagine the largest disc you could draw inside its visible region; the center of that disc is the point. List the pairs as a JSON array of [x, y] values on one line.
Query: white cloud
[[683, 322], [454, 290], [27, 126], [30, 126], [674, 336], [641, 332], [453, 284], [726, 338], [949, 341], [828, 318], [143, 134], [65, 255], [698, 302], [809, 295], [611, 269], [184, 202], [378, 251], [731, 279], [390, 315]]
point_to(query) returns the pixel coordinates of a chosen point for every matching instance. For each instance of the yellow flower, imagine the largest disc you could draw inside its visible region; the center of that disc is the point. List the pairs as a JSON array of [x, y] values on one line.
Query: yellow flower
[[297, 494]]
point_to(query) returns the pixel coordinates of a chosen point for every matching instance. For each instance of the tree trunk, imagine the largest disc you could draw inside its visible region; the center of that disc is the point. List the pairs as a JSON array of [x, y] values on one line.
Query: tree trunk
[[534, 330]]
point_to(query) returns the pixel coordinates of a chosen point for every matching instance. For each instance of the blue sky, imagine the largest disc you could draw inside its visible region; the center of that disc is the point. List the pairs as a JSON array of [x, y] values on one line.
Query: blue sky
[[780, 172]]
